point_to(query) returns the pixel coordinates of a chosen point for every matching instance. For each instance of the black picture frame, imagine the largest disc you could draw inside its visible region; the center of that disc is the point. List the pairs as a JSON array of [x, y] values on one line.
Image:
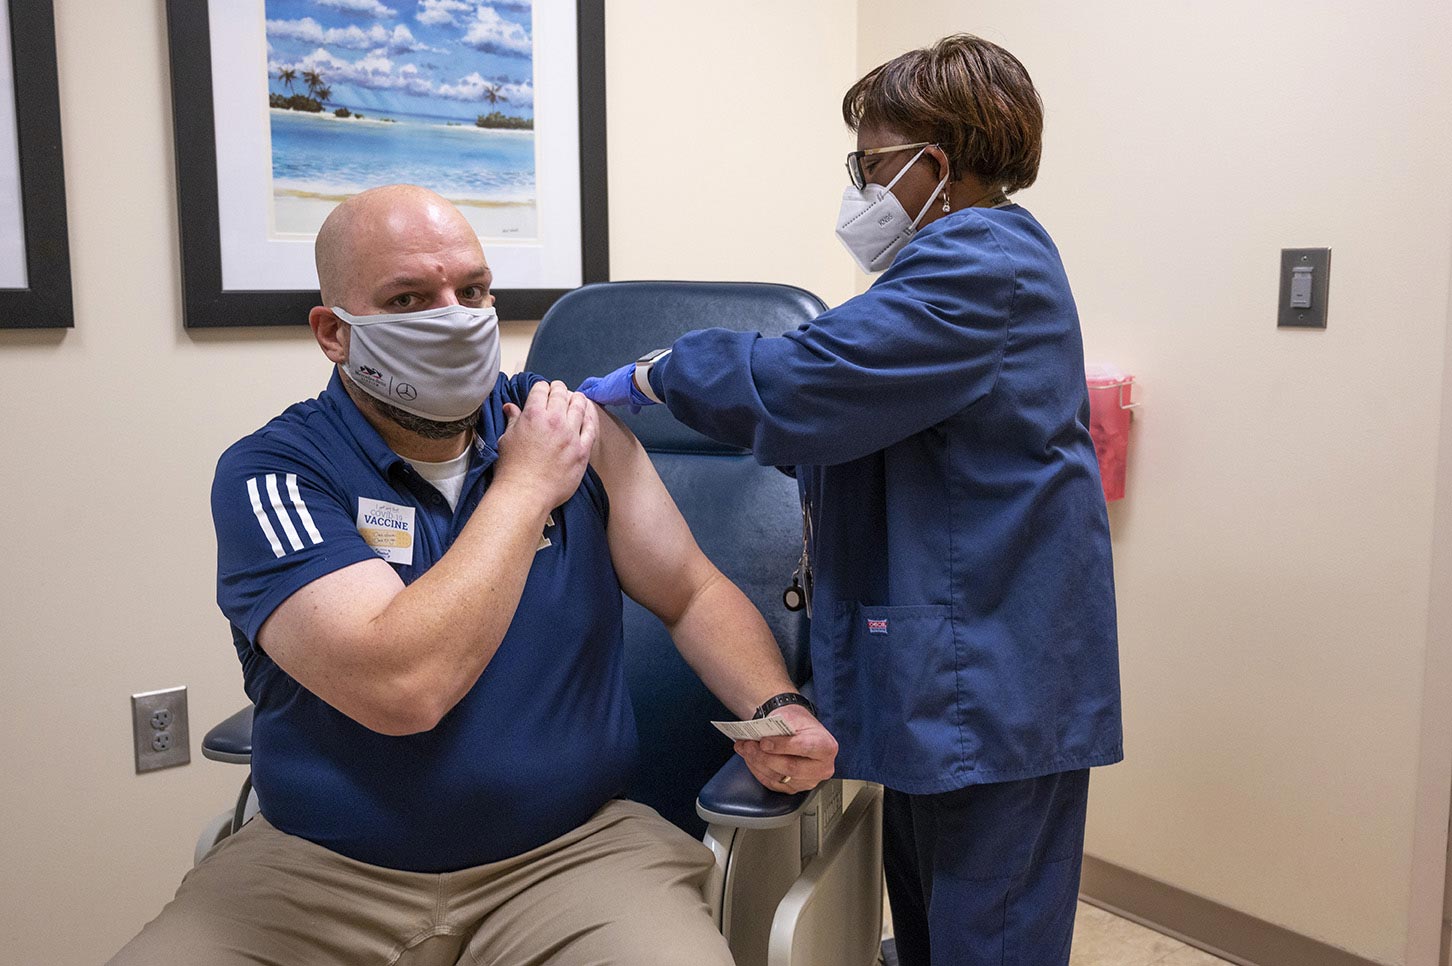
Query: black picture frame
[[46, 301], [206, 304]]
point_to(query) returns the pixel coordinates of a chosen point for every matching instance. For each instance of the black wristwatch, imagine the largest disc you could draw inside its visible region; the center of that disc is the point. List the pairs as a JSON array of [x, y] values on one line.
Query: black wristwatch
[[781, 701]]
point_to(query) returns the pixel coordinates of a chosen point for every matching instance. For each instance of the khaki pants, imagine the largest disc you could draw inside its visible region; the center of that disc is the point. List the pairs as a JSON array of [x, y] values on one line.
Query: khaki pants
[[624, 888]]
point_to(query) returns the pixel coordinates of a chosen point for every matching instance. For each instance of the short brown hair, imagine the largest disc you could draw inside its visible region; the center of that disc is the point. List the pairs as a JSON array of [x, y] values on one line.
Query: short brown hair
[[971, 97]]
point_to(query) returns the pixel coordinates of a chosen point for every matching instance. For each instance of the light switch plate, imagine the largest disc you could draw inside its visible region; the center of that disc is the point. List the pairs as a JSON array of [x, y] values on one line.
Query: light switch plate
[[159, 725], [1318, 260]]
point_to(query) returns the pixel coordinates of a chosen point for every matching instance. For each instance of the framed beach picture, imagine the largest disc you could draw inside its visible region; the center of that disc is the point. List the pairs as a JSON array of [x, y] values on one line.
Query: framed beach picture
[[35, 262], [284, 108]]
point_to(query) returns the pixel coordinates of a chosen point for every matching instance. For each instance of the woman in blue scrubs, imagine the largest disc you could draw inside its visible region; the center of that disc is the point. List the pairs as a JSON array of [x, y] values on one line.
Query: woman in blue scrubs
[[963, 624]]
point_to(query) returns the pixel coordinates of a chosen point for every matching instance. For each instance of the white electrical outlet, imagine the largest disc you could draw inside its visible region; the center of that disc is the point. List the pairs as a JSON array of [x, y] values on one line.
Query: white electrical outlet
[[159, 725]]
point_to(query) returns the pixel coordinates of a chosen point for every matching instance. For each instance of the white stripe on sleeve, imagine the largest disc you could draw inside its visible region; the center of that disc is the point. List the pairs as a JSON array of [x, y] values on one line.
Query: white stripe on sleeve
[[282, 515], [302, 510], [261, 515]]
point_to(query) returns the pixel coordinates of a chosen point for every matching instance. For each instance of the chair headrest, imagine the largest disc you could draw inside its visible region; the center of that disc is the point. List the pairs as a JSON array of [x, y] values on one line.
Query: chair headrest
[[598, 328]]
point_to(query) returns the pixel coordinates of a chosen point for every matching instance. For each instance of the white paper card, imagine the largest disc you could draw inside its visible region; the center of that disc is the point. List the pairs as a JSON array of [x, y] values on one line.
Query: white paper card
[[754, 730]]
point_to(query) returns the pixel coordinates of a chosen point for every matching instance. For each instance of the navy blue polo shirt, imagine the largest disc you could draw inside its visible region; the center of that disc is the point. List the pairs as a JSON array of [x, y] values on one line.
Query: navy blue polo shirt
[[543, 739]]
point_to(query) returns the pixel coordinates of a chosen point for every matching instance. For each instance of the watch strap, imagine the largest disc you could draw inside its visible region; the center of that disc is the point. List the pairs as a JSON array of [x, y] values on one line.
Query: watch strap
[[643, 366], [781, 701]]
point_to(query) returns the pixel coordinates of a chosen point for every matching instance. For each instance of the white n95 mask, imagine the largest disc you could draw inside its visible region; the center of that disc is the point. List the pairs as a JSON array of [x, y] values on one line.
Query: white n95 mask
[[873, 224], [439, 363]]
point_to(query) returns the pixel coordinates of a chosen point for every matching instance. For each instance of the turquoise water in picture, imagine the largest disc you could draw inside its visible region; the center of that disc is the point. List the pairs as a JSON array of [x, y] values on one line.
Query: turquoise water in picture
[[339, 157], [320, 158]]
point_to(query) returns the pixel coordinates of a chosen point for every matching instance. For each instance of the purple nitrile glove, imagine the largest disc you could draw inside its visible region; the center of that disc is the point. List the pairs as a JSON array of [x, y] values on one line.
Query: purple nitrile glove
[[616, 389]]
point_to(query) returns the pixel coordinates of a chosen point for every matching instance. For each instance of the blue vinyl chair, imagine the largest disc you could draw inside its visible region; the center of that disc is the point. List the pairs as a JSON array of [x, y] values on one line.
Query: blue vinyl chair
[[798, 879]]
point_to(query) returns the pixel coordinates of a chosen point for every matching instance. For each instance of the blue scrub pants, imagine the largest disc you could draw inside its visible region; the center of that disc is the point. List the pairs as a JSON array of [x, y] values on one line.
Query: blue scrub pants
[[987, 875]]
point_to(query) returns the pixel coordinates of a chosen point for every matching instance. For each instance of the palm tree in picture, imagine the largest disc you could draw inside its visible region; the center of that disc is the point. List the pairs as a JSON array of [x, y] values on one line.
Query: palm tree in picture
[[287, 75], [324, 93], [314, 80], [492, 95]]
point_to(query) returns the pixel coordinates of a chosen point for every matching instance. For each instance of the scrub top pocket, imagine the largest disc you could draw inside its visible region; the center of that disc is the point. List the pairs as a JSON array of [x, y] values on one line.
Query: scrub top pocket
[[895, 694]]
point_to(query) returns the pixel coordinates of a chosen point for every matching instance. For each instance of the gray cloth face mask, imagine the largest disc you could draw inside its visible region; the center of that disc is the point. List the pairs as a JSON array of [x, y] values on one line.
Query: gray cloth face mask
[[439, 363]]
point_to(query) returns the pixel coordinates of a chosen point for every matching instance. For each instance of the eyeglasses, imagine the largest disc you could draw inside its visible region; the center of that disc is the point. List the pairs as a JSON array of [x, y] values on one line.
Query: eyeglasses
[[854, 160]]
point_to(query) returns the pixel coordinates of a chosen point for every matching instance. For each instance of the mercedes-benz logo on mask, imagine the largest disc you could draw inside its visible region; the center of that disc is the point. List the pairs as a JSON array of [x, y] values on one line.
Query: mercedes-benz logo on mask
[[406, 392]]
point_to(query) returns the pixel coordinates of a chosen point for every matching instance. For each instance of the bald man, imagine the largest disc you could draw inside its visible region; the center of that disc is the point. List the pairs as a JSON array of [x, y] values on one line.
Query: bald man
[[422, 568]]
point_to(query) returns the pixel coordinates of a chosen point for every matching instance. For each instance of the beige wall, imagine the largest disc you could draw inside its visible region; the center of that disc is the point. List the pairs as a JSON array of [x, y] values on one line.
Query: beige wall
[[1273, 555], [111, 430]]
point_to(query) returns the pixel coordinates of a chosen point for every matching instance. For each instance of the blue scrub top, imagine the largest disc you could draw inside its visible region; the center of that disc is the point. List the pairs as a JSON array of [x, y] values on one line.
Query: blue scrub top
[[544, 738], [963, 623]]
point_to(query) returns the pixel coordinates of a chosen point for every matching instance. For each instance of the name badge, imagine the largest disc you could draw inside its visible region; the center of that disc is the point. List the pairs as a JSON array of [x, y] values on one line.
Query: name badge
[[387, 528]]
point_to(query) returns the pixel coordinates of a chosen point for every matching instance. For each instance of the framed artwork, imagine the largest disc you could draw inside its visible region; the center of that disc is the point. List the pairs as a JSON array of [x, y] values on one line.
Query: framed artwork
[[284, 108], [35, 261]]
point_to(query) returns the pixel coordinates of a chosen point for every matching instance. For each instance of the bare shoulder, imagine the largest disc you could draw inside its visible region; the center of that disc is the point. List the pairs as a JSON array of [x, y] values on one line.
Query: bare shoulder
[[656, 559], [617, 453]]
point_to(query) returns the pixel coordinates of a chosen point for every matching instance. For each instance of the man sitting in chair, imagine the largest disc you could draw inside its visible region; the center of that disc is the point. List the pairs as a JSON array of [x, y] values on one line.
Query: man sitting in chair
[[422, 568]]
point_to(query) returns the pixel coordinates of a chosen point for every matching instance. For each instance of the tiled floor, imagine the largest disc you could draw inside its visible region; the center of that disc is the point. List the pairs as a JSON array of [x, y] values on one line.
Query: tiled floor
[[1104, 939]]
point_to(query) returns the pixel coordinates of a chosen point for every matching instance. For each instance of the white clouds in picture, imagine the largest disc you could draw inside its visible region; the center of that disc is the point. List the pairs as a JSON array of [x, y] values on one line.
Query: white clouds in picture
[[13, 272], [492, 34], [474, 88], [487, 31], [373, 71], [399, 40], [435, 12], [371, 8]]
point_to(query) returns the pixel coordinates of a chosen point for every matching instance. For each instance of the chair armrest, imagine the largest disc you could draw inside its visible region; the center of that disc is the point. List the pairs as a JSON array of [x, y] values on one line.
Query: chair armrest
[[736, 799], [231, 740], [833, 912]]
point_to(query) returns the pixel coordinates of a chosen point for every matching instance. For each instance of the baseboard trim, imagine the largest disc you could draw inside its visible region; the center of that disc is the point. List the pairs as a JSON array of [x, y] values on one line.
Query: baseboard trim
[[1203, 923]]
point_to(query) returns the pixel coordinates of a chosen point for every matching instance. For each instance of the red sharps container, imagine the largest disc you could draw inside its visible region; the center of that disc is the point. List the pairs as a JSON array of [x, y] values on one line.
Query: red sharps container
[[1110, 410]]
